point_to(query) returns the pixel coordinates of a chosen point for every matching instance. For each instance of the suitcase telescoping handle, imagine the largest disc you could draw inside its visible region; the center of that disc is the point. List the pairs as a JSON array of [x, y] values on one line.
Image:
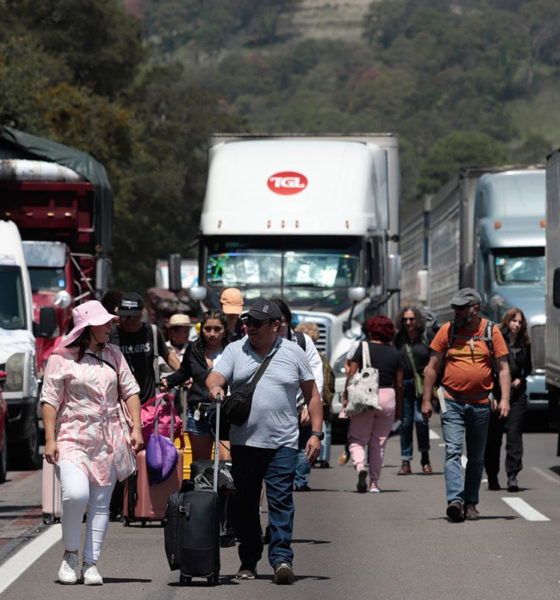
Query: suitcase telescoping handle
[[217, 442]]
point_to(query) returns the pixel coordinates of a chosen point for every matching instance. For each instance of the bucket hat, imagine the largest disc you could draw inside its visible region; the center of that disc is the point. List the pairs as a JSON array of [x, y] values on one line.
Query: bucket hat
[[179, 320], [87, 314]]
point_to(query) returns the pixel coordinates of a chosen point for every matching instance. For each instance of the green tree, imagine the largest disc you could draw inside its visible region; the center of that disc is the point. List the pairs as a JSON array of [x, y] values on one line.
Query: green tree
[[456, 150]]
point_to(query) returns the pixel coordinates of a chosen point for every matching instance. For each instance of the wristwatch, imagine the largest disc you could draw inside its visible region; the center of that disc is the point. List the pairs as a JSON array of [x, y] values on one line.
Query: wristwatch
[[319, 434]]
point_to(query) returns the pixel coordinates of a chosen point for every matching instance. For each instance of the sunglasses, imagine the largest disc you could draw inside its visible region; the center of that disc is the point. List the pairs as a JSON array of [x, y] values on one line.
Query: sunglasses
[[250, 322], [409, 318]]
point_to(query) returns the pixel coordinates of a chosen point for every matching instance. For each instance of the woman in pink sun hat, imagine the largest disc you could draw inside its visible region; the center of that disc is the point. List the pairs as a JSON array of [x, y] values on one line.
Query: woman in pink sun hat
[[91, 413]]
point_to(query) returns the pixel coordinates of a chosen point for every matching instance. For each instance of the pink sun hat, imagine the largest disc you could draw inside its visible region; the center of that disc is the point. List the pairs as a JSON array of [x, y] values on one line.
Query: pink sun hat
[[88, 313]]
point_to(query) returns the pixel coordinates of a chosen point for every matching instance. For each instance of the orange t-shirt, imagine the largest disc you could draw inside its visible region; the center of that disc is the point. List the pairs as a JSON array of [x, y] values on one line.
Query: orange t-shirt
[[468, 369]]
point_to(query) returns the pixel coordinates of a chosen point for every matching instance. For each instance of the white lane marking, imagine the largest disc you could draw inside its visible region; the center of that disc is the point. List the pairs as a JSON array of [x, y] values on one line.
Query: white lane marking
[[553, 478], [22, 560], [433, 435], [525, 510]]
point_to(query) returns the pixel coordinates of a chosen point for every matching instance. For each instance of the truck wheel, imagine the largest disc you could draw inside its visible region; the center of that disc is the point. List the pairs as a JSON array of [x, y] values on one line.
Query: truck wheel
[[4, 458]]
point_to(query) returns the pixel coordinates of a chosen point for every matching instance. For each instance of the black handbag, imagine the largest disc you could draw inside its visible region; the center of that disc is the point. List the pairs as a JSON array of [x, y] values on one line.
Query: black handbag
[[237, 406]]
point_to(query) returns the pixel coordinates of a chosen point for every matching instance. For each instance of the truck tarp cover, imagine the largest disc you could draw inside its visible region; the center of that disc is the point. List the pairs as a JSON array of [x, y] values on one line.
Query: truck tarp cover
[[17, 144]]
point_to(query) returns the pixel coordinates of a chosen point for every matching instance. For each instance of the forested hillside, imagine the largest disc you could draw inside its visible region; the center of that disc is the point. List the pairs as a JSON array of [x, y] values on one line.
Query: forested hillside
[[140, 84]]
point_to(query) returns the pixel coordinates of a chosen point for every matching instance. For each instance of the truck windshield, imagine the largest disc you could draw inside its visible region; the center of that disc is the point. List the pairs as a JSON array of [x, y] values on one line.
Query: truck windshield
[[309, 268], [519, 266], [47, 280], [12, 300]]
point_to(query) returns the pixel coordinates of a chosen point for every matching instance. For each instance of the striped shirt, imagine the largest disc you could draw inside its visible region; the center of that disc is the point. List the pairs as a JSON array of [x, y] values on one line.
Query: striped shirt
[[90, 430]]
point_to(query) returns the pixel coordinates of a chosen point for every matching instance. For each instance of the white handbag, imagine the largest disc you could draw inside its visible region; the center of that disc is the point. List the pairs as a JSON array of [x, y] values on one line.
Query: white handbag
[[363, 388]]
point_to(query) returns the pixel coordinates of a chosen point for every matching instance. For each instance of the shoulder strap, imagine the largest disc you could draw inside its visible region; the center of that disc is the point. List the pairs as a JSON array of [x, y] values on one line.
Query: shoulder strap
[[156, 353], [366, 359], [300, 339], [260, 373], [411, 358]]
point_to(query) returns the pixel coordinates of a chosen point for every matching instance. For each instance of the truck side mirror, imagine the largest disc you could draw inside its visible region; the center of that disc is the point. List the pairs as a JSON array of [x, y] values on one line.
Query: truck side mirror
[[556, 288], [47, 323], [394, 273], [197, 293], [102, 274], [175, 283]]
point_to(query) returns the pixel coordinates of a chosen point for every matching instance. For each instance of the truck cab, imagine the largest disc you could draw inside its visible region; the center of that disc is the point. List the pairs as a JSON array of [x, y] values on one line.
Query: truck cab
[[510, 263], [312, 220]]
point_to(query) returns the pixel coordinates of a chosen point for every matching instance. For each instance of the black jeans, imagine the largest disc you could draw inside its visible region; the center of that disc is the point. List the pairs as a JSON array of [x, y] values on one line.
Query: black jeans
[[513, 427]]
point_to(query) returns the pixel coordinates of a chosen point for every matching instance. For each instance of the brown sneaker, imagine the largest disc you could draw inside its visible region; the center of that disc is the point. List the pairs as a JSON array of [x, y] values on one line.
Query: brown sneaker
[[343, 458], [427, 469], [405, 468], [471, 514]]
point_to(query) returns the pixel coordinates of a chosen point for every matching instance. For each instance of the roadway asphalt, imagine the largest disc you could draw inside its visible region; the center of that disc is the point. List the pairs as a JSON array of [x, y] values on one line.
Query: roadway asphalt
[[393, 545]]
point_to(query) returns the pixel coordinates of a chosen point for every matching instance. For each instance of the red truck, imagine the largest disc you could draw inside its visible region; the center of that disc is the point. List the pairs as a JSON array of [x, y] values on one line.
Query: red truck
[[61, 202]]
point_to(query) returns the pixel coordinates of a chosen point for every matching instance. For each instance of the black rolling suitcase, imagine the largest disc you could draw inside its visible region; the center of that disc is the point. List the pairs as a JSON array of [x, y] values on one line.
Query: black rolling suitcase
[[192, 532]]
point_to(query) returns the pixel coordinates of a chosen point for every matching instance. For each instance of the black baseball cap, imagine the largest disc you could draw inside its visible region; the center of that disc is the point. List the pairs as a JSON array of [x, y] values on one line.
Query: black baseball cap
[[130, 305], [263, 310]]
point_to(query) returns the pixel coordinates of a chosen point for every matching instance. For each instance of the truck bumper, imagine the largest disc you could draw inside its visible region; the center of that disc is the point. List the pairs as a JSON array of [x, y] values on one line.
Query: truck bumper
[[22, 413], [537, 394]]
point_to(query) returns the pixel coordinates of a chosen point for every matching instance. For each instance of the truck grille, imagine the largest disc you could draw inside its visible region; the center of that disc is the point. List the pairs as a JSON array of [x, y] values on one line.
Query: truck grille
[[537, 346], [324, 325]]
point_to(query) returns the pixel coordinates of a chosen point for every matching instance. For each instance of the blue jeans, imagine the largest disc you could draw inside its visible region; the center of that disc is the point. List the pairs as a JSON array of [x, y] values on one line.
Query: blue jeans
[[250, 466], [468, 420], [303, 466], [411, 414]]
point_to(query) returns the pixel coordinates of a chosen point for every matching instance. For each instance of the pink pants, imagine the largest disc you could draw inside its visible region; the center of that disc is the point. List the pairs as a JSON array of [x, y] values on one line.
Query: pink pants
[[372, 429]]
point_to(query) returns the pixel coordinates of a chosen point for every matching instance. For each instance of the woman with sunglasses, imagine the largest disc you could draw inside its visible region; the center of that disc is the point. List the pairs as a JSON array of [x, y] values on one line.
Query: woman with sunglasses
[[201, 355], [414, 345]]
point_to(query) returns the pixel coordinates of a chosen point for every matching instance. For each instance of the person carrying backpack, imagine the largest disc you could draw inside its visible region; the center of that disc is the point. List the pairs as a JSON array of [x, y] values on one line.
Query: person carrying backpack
[[471, 350]]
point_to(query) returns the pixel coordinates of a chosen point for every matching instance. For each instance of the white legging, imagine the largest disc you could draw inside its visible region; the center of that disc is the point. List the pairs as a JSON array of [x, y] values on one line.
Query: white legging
[[77, 493]]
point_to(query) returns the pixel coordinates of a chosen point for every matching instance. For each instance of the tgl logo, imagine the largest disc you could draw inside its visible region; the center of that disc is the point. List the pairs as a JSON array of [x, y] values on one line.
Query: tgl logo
[[287, 183]]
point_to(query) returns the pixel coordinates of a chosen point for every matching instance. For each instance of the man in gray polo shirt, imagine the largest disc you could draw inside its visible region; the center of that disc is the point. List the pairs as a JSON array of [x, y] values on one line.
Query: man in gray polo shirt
[[265, 447]]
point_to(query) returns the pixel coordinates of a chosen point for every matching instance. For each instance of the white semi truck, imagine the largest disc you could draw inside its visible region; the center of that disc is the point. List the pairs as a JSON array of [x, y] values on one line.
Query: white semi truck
[[313, 219], [484, 229]]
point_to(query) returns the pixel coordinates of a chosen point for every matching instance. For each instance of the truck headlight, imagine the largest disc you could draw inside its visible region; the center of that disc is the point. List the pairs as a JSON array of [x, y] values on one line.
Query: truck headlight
[[15, 366], [339, 370]]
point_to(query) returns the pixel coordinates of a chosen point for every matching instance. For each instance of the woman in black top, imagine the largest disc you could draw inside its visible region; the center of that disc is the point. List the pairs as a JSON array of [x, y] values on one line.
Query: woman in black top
[[372, 428], [199, 359], [413, 343], [514, 330]]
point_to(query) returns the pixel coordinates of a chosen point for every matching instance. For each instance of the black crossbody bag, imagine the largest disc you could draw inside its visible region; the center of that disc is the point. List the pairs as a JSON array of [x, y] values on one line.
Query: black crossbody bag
[[237, 407]]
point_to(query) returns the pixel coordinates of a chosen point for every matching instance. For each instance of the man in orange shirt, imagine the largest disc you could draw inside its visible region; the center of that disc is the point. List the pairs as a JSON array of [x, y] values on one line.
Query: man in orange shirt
[[466, 397]]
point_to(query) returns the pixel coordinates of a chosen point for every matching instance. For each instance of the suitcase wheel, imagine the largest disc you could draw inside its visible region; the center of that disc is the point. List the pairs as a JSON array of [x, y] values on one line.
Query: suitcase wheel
[[325, 465], [213, 579], [144, 521], [48, 519], [184, 580], [126, 522]]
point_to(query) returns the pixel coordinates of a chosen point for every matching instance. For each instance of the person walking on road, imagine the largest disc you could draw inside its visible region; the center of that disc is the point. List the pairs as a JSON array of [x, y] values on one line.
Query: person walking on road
[[265, 447], [87, 435], [469, 352], [514, 330], [303, 467], [199, 359], [371, 429], [414, 345]]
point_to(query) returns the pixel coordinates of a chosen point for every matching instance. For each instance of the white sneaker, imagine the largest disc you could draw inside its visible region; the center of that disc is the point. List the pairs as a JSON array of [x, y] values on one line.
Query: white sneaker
[[91, 575], [68, 572]]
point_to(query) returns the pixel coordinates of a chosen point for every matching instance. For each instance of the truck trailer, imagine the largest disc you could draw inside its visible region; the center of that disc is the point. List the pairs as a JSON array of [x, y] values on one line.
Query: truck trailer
[[484, 229], [312, 219], [552, 341]]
